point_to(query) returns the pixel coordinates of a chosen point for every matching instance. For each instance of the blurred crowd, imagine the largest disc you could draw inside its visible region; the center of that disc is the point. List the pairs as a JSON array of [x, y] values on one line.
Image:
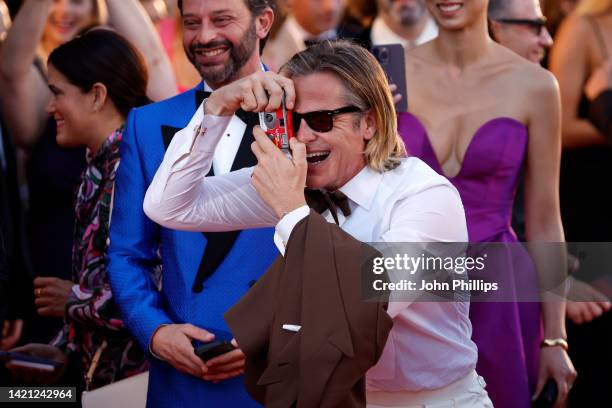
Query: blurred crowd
[[71, 71]]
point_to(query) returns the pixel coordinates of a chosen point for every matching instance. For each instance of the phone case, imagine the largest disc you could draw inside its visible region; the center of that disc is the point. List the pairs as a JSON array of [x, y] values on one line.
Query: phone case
[[213, 349], [392, 59]]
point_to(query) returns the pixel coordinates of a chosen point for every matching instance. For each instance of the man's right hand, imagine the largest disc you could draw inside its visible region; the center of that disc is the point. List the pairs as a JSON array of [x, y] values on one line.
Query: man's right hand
[[172, 343], [585, 303], [258, 92]]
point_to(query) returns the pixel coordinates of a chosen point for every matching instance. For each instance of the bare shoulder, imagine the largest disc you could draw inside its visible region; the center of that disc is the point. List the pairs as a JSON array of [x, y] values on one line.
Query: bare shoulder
[[575, 25], [525, 75], [540, 82]]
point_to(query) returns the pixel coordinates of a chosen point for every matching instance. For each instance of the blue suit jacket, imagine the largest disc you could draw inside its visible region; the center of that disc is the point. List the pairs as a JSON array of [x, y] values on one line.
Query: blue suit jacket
[[135, 240]]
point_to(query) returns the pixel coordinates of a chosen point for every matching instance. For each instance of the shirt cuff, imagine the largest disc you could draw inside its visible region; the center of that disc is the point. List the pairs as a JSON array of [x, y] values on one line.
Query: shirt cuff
[[214, 127], [202, 134], [286, 224]]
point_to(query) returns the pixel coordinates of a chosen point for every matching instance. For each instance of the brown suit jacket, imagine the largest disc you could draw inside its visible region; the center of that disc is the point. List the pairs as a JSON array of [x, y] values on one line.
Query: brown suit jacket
[[316, 285]]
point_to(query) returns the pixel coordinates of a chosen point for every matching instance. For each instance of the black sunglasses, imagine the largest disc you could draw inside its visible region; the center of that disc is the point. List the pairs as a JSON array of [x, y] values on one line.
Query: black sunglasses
[[537, 25], [320, 121]]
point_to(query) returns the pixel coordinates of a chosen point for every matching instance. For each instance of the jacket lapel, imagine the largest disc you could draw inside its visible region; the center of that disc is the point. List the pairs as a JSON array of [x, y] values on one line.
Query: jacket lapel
[[218, 244]]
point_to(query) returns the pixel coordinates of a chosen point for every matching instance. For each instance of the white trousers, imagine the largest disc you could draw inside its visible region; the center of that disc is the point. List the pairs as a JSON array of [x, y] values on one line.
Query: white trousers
[[468, 392]]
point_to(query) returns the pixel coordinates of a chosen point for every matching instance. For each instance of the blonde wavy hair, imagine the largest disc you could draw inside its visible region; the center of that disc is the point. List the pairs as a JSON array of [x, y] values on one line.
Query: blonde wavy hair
[[366, 87], [593, 7]]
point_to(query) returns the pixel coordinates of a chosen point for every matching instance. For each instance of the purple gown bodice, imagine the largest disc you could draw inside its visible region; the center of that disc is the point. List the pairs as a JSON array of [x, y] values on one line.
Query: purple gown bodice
[[488, 176]]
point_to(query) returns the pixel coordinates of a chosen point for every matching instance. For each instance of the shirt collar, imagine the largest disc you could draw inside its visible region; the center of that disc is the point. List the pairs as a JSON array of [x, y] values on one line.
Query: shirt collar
[[383, 34], [362, 188], [299, 32]]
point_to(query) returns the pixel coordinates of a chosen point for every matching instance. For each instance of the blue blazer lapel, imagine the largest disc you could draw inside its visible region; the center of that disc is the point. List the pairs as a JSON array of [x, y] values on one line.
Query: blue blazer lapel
[[218, 244]]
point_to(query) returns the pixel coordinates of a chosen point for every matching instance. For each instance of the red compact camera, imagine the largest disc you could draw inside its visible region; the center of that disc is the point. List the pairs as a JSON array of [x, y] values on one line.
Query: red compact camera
[[278, 125]]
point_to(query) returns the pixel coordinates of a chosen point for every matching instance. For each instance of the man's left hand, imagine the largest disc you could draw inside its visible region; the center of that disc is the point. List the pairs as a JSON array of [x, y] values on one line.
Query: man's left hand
[[226, 366], [51, 296], [279, 180]]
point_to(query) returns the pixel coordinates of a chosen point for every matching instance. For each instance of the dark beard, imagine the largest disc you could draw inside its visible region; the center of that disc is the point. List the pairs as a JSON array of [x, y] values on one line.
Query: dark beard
[[239, 55]]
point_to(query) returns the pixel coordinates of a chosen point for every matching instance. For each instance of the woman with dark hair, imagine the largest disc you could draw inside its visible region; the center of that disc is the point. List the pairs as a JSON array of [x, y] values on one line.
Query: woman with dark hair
[[479, 114], [95, 80], [39, 27]]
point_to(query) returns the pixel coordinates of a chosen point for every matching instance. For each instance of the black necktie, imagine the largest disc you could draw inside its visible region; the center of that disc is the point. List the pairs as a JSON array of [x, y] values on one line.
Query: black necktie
[[320, 201], [200, 96]]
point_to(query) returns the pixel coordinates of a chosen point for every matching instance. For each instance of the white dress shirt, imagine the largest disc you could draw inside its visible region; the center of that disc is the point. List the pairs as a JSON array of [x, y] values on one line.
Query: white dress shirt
[[382, 34], [429, 346]]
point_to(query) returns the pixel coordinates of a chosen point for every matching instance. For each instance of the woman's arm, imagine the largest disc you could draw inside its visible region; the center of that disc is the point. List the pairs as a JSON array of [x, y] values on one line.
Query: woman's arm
[[130, 19], [569, 61], [24, 93], [543, 222]]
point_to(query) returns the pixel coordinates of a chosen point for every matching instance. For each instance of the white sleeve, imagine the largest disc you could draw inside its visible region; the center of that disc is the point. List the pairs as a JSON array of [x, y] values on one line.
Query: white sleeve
[[433, 215], [182, 197]]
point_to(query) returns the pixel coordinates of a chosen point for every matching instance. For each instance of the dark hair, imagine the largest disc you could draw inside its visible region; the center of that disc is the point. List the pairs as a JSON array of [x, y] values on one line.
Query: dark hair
[[103, 56], [498, 9], [256, 7]]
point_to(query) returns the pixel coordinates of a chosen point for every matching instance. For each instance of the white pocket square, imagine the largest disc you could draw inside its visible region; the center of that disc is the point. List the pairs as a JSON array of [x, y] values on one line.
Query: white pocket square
[[292, 327]]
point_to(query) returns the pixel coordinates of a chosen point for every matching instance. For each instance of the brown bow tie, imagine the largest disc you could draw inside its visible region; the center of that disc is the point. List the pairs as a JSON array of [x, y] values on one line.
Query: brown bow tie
[[320, 201]]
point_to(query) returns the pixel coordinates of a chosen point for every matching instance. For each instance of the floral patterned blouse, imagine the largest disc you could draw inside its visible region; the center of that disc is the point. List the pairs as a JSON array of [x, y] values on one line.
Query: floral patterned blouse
[[93, 321]]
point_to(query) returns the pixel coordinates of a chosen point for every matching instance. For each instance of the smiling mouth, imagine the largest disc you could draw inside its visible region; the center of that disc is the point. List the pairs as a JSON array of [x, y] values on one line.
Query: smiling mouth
[[213, 53], [450, 7], [63, 26], [316, 157]]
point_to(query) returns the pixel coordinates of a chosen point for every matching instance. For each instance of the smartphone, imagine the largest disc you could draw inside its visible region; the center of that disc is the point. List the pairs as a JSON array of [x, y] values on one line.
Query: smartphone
[[24, 360], [278, 125], [392, 59], [213, 349]]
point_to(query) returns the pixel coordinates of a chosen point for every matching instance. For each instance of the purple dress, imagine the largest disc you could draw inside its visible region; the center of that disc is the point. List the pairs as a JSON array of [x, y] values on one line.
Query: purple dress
[[507, 333]]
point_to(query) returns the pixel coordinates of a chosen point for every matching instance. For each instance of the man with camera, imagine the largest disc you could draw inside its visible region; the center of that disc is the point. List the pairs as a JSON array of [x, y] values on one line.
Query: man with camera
[[345, 141]]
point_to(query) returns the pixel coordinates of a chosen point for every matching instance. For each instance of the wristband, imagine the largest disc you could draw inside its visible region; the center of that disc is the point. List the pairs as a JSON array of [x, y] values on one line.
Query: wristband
[[560, 342]]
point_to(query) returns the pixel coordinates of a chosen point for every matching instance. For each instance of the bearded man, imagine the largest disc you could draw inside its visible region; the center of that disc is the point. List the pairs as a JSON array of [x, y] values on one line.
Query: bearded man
[[202, 274]]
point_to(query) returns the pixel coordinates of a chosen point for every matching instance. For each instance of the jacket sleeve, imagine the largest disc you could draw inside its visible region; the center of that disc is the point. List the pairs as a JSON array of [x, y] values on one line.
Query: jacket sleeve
[[600, 114], [134, 244]]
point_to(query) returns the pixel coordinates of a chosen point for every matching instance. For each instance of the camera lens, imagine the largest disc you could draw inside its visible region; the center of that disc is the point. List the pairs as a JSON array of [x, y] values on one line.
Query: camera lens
[[270, 120], [384, 56]]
